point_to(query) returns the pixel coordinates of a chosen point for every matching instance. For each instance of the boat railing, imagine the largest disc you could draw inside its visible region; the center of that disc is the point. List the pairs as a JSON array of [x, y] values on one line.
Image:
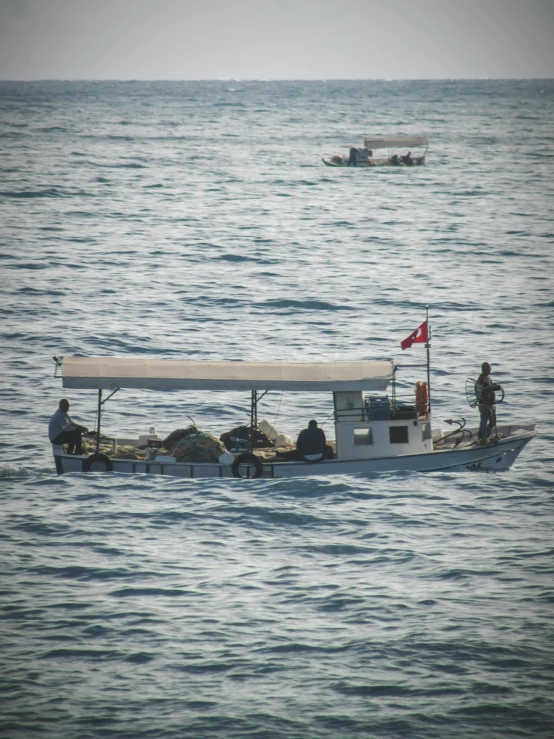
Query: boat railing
[[380, 408]]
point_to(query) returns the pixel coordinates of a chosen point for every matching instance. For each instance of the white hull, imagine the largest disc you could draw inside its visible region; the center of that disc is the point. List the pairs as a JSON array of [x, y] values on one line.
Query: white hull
[[495, 456], [335, 161]]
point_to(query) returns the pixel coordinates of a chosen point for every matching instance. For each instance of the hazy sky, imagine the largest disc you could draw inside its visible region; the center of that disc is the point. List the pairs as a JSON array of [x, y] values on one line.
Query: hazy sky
[[275, 39]]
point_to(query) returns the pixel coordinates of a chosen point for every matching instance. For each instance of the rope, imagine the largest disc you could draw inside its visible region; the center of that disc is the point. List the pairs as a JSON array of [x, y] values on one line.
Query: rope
[[278, 410]]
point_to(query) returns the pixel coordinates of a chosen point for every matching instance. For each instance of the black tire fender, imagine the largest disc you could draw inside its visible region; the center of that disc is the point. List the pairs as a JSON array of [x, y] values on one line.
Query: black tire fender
[[249, 459], [94, 463]]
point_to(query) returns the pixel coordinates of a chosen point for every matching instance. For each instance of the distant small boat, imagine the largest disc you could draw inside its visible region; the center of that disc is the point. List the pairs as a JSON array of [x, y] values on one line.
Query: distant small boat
[[394, 151]]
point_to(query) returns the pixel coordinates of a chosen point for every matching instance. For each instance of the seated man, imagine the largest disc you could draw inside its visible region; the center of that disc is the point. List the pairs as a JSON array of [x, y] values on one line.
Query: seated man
[[311, 442], [62, 430]]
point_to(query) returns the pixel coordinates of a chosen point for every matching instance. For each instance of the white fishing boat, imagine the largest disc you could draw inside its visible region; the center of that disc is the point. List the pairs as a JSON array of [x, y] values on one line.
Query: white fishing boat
[[375, 429], [379, 151]]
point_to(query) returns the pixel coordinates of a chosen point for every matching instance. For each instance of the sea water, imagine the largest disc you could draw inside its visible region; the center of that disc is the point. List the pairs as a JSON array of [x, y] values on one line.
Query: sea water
[[196, 220]]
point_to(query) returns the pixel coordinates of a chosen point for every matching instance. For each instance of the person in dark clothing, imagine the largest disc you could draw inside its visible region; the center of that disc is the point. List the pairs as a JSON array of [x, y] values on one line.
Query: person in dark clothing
[[353, 159], [62, 430], [485, 389], [311, 443]]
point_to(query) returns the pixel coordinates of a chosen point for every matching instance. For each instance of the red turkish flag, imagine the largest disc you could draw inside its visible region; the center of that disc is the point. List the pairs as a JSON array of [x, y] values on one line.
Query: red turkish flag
[[419, 336]]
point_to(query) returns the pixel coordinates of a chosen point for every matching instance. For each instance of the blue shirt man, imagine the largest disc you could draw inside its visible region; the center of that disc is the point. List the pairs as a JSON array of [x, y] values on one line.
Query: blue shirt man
[[62, 430]]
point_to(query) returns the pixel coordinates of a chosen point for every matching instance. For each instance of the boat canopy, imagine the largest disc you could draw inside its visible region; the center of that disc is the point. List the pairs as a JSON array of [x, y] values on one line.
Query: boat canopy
[[111, 373], [396, 142]]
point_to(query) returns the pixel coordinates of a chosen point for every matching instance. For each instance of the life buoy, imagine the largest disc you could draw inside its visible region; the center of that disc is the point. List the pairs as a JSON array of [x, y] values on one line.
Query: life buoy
[[249, 460], [97, 463], [422, 398]]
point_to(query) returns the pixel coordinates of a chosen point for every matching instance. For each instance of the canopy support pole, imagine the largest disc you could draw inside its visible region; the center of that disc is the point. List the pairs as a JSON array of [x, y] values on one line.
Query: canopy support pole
[[428, 347], [253, 419], [99, 419]]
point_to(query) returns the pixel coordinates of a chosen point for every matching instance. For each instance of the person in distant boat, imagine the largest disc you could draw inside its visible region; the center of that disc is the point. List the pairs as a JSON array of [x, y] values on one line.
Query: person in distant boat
[[408, 159], [394, 160], [62, 430], [485, 390], [353, 158], [311, 443]]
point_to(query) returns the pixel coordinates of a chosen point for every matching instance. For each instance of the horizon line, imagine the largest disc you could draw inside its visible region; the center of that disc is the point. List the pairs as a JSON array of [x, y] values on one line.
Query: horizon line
[[276, 79]]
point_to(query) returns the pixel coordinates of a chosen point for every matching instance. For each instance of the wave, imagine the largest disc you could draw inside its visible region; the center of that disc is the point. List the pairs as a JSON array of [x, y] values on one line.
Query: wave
[[303, 305], [14, 471], [29, 194]]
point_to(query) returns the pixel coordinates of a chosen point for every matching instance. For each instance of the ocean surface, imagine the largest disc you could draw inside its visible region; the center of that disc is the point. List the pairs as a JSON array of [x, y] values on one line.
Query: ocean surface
[[197, 220]]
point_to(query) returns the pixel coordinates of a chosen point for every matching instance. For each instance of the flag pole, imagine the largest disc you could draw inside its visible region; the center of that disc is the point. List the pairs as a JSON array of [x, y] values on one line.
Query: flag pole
[[427, 345]]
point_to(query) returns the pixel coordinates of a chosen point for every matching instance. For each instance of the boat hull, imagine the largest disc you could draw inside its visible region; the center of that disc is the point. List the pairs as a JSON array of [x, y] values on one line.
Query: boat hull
[[495, 456], [336, 161]]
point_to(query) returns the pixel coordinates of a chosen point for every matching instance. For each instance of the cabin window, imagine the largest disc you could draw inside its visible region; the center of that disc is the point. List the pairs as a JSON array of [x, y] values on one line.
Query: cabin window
[[363, 437], [398, 434], [426, 431]]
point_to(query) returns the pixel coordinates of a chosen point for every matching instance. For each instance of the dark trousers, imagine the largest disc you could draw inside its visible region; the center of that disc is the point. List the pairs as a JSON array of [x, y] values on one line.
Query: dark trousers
[[488, 420], [72, 439]]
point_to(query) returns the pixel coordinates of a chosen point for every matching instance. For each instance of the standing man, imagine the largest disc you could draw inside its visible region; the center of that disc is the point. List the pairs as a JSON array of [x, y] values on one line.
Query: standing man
[[62, 430], [485, 388]]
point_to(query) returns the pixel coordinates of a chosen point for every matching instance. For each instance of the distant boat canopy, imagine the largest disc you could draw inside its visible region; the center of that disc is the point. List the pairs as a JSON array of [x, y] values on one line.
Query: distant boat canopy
[[395, 142]]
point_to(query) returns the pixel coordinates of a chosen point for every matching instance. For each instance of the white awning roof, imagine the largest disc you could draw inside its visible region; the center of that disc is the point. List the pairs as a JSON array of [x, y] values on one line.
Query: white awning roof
[[110, 373], [394, 142]]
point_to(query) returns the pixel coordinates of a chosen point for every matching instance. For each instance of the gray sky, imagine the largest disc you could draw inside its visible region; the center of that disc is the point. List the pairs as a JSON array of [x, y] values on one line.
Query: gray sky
[[276, 39]]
